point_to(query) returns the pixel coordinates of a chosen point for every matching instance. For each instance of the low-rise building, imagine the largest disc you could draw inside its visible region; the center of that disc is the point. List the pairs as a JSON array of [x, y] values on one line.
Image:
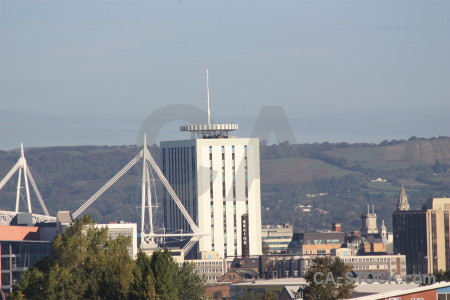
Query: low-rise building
[[377, 265], [316, 243], [210, 266], [125, 229], [260, 287], [20, 249], [277, 237], [439, 291]]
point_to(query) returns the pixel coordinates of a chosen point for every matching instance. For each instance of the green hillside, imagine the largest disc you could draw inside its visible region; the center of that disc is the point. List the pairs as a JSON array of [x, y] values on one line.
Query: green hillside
[[399, 156], [298, 169], [344, 183]]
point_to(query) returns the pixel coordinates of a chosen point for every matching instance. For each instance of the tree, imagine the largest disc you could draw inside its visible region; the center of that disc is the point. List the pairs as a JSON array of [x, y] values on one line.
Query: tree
[[327, 280], [165, 271], [85, 263], [191, 285], [143, 285], [442, 275]]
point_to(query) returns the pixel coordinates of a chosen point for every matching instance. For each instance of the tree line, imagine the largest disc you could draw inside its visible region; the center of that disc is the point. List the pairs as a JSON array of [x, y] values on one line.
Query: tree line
[[86, 263]]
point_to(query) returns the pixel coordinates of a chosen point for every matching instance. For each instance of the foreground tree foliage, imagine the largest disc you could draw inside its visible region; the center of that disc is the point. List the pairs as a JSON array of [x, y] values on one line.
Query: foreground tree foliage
[[86, 263], [143, 285], [192, 286], [442, 275], [327, 280]]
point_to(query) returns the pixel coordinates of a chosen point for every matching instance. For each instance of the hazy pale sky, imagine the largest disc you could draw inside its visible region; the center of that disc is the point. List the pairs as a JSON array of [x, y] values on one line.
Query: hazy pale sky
[[91, 72]]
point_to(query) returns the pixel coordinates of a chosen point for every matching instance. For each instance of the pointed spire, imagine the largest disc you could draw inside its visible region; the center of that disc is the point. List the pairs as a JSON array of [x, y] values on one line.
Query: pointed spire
[[402, 203], [383, 231]]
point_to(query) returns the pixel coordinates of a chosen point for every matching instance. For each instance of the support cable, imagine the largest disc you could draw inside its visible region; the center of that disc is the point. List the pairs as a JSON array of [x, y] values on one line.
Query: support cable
[[38, 194], [107, 185]]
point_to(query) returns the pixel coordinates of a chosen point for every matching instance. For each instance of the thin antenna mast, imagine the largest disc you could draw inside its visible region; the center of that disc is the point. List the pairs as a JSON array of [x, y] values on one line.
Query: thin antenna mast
[[207, 92]]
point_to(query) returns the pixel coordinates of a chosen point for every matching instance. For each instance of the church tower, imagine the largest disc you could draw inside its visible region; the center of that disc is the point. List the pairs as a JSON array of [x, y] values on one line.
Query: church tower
[[402, 203], [369, 222]]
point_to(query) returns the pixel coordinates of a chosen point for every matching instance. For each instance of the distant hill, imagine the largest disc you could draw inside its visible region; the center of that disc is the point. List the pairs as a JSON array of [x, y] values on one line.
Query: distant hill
[[298, 169], [336, 179], [339, 180], [402, 155]]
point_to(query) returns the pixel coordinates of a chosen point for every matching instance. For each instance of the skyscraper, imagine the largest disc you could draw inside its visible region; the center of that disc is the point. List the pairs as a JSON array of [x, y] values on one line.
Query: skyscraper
[[423, 235], [217, 178]]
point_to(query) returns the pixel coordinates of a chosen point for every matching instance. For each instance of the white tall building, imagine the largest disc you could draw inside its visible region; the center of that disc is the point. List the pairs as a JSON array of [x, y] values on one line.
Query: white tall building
[[217, 178]]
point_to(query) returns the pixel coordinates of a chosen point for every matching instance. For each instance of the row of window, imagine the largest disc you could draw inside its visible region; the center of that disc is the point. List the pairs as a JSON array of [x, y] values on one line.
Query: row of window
[[277, 243], [203, 271], [211, 278], [208, 263], [367, 259], [277, 238], [320, 242]]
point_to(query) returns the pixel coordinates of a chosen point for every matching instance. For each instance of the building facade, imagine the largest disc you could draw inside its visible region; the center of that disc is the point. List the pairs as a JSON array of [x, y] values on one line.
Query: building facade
[[19, 256], [277, 237], [316, 243], [423, 235], [378, 265], [218, 181], [410, 239], [125, 229], [438, 230], [20, 248], [211, 267]]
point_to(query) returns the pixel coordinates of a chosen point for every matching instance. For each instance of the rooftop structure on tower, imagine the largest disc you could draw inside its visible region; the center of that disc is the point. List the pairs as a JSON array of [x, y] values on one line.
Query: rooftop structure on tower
[[209, 130]]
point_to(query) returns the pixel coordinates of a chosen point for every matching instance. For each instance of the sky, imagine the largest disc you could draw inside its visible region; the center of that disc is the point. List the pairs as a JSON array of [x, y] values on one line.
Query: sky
[[92, 72]]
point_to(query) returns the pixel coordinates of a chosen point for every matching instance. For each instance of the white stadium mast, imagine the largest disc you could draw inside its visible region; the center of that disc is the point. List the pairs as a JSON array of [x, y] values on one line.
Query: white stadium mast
[[24, 171], [147, 230], [21, 165]]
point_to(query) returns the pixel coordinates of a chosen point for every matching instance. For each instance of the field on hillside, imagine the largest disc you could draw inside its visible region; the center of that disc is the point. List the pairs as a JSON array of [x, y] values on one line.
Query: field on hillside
[[297, 169], [403, 155]]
